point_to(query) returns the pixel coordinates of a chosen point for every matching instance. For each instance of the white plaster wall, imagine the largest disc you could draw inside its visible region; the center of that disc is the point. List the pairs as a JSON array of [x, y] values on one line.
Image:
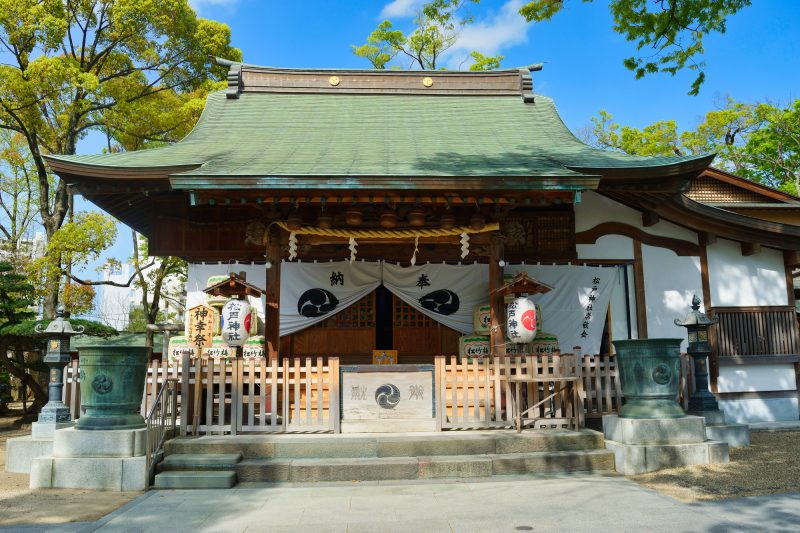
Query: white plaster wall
[[760, 410], [751, 378], [741, 281], [198, 275], [670, 281], [595, 209], [607, 247]]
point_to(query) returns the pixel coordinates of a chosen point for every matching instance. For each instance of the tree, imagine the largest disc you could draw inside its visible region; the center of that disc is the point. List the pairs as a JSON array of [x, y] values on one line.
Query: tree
[[135, 69], [17, 197], [437, 26], [758, 141], [672, 29]]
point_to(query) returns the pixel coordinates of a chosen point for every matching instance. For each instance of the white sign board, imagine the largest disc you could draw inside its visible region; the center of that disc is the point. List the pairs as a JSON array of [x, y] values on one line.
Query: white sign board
[[380, 401]]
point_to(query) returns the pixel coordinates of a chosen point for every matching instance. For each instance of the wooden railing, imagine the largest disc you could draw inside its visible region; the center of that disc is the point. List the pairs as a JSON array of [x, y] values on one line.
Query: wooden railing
[[743, 331], [302, 394]]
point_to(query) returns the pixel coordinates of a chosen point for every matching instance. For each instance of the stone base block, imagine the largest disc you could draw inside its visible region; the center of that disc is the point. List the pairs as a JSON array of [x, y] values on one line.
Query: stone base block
[[736, 435], [632, 459], [711, 417], [105, 473], [388, 426], [685, 430], [21, 451], [443, 466], [46, 430], [102, 443]]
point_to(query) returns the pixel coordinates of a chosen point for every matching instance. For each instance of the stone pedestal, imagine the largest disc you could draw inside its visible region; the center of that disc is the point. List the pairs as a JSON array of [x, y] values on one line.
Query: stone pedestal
[[650, 444], [20, 451], [736, 435], [101, 460]]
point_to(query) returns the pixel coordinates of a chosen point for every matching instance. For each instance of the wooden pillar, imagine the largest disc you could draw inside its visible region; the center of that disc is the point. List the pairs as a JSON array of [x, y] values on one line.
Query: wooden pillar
[[497, 338], [272, 293], [638, 284], [713, 358]]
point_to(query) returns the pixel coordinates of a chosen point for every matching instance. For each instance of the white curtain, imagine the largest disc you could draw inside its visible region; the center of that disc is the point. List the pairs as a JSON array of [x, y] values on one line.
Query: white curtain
[[446, 293], [313, 292], [575, 309]]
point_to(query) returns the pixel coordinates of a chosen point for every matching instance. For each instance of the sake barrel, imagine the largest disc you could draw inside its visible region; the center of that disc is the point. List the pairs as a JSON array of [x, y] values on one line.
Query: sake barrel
[[236, 322], [177, 345], [521, 320], [254, 348], [473, 346], [218, 350], [543, 344], [481, 319], [210, 298]]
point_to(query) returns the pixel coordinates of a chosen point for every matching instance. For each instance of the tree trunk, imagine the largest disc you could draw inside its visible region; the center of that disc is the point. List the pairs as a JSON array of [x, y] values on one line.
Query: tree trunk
[[39, 394]]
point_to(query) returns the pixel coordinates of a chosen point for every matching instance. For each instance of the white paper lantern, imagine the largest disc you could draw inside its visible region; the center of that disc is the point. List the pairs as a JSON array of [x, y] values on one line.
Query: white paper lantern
[[236, 321], [521, 321]]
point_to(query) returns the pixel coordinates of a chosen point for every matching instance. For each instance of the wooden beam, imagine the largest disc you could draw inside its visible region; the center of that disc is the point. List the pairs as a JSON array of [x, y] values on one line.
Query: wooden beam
[[705, 238], [750, 248], [272, 293], [638, 283], [679, 246], [791, 258], [650, 218], [497, 338]]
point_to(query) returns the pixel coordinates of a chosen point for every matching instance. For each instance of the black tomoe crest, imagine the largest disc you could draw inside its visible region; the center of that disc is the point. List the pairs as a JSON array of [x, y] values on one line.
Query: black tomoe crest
[[316, 302], [443, 301], [387, 396]]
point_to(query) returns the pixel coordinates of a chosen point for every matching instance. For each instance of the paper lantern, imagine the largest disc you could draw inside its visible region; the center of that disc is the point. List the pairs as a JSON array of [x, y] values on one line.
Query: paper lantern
[[237, 320], [521, 321], [481, 319]]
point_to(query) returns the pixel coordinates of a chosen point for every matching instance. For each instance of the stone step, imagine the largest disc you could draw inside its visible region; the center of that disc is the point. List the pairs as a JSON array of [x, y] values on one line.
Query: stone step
[[331, 446], [197, 479], [423, 467], [201, 461], [736, 435]]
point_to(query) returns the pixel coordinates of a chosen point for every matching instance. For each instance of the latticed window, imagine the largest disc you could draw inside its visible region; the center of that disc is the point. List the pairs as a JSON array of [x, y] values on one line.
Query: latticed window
[[359, 315], [714, 191], [407, 316]]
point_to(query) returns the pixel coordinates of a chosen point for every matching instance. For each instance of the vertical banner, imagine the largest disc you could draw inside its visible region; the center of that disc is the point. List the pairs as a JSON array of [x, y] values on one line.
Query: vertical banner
[[446, 293], [313, 292], [575, 310]]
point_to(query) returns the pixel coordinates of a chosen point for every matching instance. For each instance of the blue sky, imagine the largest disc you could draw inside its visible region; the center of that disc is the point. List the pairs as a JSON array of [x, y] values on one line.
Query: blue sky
[[757, 59]]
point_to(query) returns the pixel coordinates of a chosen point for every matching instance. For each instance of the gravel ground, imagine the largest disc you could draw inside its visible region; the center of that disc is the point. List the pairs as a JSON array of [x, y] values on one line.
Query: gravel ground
[[770, 465], [21, 505]]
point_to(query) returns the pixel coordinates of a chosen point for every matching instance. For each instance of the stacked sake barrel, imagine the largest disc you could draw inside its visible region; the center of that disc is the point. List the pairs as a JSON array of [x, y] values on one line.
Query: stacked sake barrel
[[477, 346]]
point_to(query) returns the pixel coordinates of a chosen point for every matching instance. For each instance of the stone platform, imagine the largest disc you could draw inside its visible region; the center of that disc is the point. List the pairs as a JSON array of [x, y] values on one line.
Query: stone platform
[[21, 451], [650, 444], [381, 456], [102, 460]]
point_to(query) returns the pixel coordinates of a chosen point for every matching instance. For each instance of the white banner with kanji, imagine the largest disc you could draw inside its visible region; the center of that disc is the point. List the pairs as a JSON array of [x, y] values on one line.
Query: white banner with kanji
[[313, 292], [575, 310], [446, 293]]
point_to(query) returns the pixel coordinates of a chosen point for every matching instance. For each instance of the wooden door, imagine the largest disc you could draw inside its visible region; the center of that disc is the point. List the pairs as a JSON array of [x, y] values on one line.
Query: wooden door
[[349, 334], [419, 338]]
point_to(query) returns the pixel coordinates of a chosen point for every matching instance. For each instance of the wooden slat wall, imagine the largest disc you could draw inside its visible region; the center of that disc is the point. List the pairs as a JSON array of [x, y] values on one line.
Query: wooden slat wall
[[768, 330]]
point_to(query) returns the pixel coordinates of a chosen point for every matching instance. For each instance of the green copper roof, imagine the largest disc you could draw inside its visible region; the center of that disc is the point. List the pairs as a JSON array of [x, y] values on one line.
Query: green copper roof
[[275, 135]]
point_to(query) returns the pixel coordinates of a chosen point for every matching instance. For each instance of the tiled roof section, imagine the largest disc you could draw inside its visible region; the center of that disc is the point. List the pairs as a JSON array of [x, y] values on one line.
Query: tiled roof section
[[386, 132]]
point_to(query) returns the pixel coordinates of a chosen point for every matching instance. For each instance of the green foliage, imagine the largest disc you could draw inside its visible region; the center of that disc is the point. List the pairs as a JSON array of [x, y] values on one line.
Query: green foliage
[[27, 328], [18, 198], [667, 33], [482, 62], [16, 296], [138, 320], [437, 26], [760, 141], [79, 299], [136, 70]]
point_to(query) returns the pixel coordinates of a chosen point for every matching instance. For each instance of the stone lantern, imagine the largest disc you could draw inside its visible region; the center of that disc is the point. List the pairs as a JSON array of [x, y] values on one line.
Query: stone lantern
[[697, 324], [58, 334]]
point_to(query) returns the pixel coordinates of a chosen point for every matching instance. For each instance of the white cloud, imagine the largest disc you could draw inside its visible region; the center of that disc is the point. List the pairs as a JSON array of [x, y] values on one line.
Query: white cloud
[[401, 8], [503, 30]]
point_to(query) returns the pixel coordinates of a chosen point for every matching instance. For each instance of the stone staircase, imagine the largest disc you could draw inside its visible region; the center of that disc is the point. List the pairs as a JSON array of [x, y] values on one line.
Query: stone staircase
[[221, 461]]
